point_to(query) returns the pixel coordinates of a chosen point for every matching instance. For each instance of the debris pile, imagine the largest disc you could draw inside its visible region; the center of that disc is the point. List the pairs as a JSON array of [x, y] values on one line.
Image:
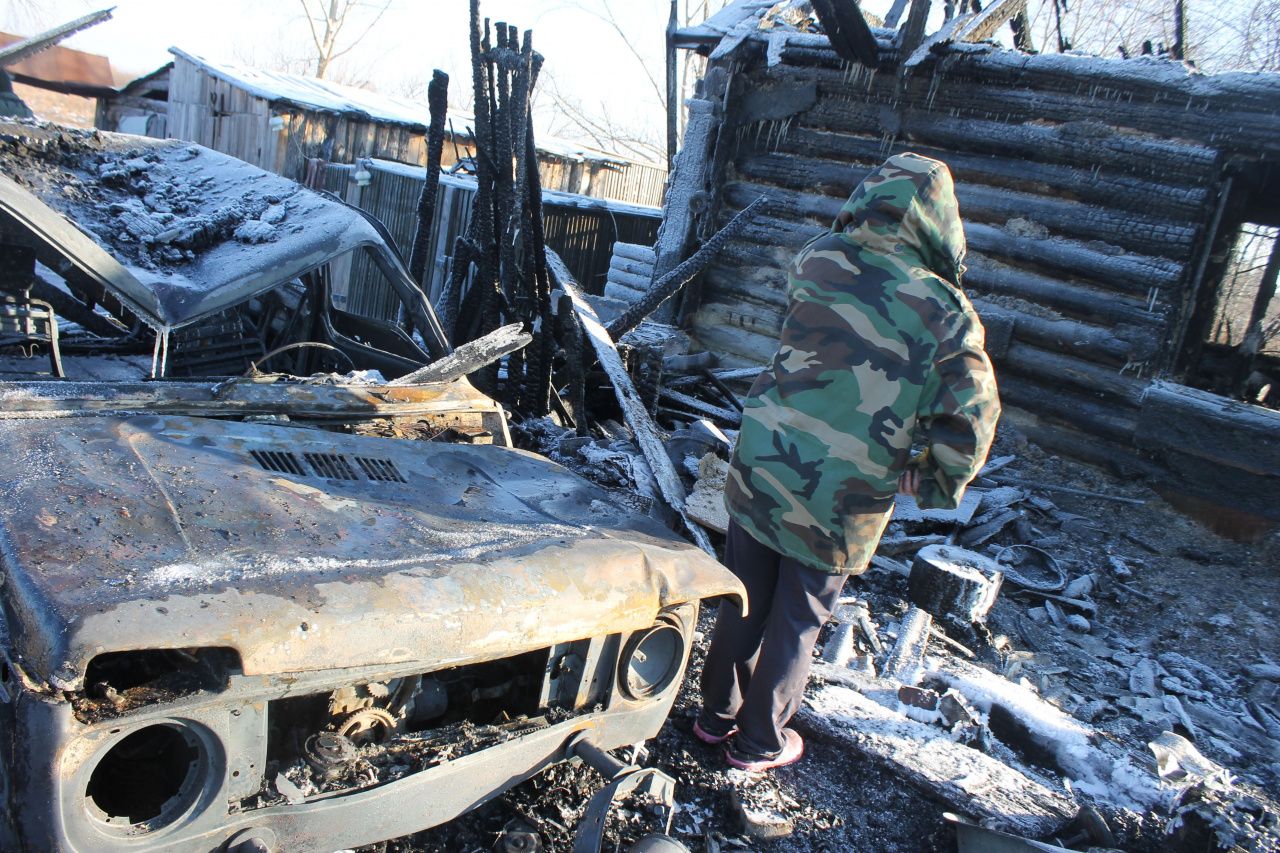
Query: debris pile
[[132, 199]]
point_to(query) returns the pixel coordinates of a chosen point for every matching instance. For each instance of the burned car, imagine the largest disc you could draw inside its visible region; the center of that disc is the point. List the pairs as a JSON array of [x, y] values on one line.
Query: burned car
[[251, 612]]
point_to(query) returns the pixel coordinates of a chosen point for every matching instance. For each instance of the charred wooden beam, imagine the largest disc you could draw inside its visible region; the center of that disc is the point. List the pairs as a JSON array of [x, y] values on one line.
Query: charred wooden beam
[[1136, 275], [1227, 433], [1077, 410], [1143, 233], [1059, 370], [985, 275], [992, 85], [845, 26], [1120, 346], [821, 159], [670, 284], [633, 409], [438, 105], [984, 25]]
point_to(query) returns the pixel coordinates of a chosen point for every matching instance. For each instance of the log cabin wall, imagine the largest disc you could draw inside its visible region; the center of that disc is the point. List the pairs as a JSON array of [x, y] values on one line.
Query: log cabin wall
[[1093, 193]]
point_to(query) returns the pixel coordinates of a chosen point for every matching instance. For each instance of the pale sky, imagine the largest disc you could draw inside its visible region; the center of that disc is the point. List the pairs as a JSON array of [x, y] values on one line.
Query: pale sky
[[589, 61], [587, 58]]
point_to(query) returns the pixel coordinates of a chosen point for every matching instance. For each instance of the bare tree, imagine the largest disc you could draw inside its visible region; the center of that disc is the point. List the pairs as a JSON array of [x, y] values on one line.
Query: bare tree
[[1260, 37], [328, 18], [570, 117], [1221, 36], [636, 139]]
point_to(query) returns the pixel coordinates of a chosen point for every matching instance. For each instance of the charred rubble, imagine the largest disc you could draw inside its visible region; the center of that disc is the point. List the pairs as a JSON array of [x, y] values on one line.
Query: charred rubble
[[1028, 663]]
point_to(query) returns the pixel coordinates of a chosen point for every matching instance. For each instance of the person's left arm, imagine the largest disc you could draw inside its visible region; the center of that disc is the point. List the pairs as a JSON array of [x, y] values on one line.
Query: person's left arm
[[956, 417]]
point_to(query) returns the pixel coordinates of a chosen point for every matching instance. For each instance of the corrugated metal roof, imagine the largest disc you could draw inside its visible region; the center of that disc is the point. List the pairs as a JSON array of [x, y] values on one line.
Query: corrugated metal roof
[[61, 66]]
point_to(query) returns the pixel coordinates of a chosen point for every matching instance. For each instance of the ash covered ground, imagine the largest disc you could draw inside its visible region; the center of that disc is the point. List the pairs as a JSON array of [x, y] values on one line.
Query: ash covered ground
[[1181, 637]]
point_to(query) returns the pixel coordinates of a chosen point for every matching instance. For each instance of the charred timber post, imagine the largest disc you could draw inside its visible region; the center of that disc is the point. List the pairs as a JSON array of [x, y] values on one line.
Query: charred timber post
[[437, 103], [685, 186], [464, 253], [895, 14], [501, 155], [1253, 336], [1179, 29], [847, 29], [669, 285], [673, 99], [575, 363], [912, 32], [481, 231], [541, 356]]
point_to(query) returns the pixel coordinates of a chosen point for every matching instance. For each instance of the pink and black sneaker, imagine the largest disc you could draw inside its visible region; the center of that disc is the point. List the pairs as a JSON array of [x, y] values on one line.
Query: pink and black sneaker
[[792, 751], [709, 734]]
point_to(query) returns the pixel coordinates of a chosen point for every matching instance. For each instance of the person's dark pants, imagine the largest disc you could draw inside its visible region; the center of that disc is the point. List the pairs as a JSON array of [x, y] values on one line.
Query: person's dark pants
[[757, 667]]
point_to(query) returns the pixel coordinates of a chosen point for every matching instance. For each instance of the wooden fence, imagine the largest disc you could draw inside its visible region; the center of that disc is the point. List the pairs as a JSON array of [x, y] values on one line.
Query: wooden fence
[[582, 230]]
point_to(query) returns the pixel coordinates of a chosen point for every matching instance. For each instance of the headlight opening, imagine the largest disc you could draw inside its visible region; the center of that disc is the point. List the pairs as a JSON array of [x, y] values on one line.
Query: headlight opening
[[651, 660], [149, 778]]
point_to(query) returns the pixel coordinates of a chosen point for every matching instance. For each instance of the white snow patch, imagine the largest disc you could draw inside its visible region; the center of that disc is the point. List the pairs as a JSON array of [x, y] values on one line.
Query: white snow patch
[[256, 231]]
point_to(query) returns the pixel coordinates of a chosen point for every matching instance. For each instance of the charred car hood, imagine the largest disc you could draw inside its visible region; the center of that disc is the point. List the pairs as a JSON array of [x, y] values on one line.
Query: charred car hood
[[308, 550]]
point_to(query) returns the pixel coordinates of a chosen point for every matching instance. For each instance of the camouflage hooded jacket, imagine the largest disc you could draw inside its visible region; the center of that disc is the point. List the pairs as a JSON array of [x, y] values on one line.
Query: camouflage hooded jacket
[[880, 349]]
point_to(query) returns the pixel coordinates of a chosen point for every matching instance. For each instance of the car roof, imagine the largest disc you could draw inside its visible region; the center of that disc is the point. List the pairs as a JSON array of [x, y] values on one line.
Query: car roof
[[175, 230]]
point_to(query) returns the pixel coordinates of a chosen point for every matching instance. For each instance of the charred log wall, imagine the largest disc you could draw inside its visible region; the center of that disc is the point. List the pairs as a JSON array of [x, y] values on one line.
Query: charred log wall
[[1088, 187]]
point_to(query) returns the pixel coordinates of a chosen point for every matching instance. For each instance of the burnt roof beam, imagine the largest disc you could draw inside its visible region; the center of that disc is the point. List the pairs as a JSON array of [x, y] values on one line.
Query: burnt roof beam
[[20, 50], [848, 30]]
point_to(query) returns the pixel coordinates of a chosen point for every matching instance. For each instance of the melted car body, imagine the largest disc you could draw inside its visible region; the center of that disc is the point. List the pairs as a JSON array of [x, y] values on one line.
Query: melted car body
[[257, 612]]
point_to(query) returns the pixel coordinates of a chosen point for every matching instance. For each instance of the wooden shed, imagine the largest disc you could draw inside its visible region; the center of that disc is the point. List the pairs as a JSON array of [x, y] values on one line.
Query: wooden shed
[[280, 121], [1105, 203], [140, 107]]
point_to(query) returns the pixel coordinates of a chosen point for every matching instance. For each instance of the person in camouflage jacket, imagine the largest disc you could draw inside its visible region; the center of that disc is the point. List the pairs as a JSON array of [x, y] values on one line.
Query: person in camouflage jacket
[[880, 350]]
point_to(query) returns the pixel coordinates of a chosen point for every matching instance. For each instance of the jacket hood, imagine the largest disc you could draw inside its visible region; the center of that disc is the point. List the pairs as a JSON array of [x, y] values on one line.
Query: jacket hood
[[907, 205]]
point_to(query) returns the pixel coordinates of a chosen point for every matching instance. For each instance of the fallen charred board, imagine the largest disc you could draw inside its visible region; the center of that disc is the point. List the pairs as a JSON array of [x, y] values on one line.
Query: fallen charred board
[[1225, 451], [1019, 717], [637, 417], [923, 755], [22, 400], [471, 356]]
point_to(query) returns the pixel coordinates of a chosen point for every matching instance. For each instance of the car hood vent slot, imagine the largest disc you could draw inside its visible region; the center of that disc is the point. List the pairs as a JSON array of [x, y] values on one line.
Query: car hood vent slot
[[331, 466], [380, 469], [280, 461]]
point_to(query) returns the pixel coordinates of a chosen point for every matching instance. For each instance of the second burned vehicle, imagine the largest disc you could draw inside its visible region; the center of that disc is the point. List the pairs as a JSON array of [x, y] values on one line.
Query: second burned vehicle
[[250, 612]]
